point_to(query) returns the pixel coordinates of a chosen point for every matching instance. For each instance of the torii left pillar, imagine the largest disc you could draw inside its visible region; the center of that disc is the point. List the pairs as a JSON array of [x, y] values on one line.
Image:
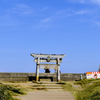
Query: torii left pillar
[[58, 70], [37, 69]]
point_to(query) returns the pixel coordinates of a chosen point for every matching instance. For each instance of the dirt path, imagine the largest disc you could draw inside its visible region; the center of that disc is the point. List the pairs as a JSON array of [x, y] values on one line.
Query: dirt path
[[52, 94]]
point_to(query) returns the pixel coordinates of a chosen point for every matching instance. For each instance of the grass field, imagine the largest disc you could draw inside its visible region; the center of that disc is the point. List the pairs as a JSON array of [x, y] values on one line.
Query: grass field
[[86, 89]]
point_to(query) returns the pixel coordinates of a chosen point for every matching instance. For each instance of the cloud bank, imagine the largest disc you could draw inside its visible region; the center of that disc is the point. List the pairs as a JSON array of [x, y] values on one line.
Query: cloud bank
[[86, 1]]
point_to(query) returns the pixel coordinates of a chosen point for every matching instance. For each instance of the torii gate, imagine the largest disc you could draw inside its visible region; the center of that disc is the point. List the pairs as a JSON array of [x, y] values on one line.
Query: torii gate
[[51, 58]]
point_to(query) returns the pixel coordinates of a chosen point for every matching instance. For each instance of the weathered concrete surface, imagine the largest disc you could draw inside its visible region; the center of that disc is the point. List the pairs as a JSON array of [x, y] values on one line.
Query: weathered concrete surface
[[47, 95], [31, 76]]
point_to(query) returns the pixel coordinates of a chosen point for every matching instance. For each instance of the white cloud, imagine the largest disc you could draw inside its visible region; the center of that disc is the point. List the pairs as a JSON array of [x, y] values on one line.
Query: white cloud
[[22, 6], [21, 9], [45, 8], [98, 23], [66, 13], [45, 20], [81, 12], [85, 1], [60, 11], [96, 1], [61, 14], [81, 1]]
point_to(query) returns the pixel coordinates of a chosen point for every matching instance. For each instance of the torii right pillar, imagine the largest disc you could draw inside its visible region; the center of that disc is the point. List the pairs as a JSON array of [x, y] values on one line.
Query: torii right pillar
[[58, 70]]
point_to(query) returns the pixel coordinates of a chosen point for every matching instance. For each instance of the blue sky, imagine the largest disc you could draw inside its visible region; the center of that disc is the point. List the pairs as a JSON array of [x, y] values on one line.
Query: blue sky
[[70, 27]]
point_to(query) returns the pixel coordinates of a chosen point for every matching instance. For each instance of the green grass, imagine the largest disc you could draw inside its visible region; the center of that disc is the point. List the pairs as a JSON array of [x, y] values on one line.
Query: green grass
[[7, 92], [86, 89]]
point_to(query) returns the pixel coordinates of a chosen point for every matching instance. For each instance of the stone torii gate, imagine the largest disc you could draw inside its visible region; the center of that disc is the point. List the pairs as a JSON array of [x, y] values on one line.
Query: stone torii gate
[[51, 58]]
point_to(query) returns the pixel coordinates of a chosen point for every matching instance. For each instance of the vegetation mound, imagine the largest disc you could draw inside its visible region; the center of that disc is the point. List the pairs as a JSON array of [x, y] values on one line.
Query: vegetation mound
[[90, 91], [86, 89], [7, 92]]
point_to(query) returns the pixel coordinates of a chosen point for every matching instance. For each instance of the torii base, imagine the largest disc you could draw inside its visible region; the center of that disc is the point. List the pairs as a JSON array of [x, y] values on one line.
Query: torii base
[[37, 78]]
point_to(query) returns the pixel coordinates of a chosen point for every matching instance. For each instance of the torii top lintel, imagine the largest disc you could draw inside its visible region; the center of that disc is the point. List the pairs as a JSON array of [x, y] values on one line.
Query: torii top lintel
[[46, 55]]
